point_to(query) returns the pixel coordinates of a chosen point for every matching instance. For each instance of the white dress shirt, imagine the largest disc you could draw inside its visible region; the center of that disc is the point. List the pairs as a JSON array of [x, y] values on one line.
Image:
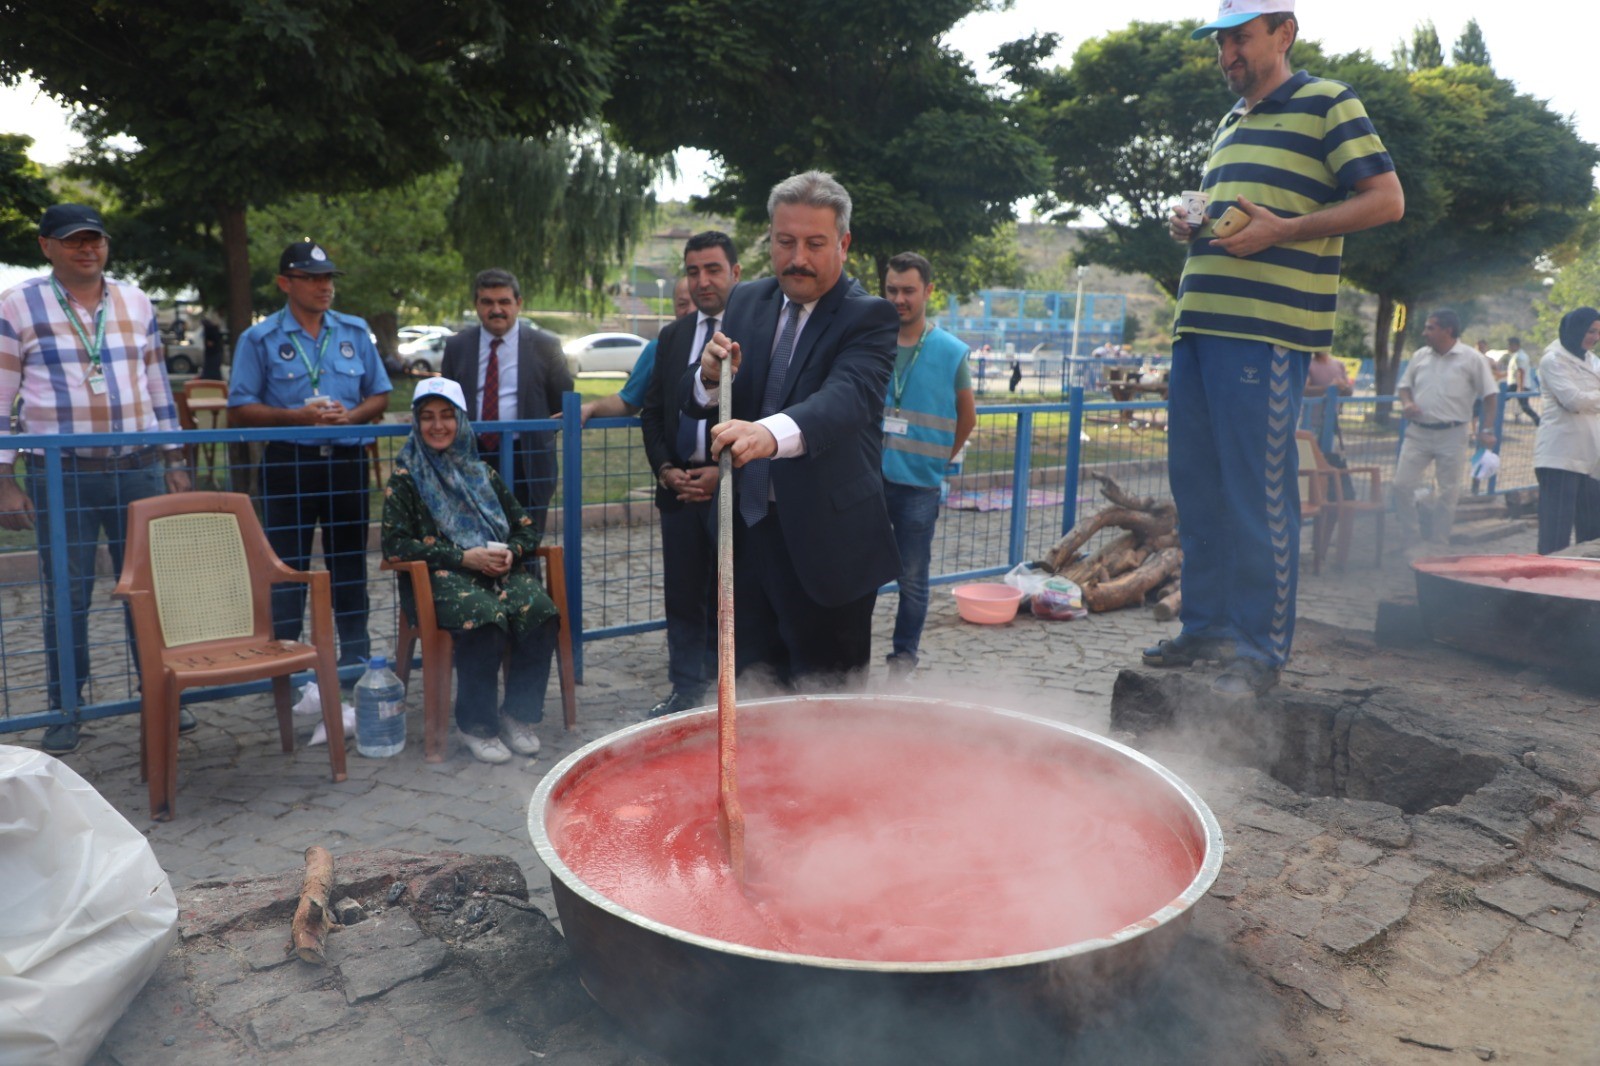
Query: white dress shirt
[[791, 441], [507, 356]]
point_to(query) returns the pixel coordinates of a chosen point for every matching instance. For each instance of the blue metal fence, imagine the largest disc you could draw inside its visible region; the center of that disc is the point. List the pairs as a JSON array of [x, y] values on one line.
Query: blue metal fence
[[1021, 484]]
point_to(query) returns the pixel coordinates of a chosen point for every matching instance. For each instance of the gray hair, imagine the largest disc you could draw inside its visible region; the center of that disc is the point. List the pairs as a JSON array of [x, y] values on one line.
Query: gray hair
[[814, 188]]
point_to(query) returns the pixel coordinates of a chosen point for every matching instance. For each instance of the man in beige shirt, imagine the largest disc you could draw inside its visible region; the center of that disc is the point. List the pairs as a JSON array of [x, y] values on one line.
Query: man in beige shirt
[[1443, 381]]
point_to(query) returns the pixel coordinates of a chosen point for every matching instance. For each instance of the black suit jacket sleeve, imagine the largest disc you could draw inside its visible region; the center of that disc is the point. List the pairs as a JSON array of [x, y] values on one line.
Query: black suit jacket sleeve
[[658, 424], [460, 365]]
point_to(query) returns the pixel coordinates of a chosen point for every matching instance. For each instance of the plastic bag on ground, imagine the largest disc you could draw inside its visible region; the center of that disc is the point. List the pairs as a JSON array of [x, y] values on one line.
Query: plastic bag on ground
[[1047, 595], [89, 912]]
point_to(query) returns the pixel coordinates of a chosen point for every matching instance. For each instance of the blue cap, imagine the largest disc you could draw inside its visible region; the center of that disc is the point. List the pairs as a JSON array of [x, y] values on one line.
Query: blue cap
[[63, 220]]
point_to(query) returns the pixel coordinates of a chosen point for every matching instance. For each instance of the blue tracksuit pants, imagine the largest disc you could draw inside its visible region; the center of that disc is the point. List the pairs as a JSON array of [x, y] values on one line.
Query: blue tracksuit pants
[[1232, 410]]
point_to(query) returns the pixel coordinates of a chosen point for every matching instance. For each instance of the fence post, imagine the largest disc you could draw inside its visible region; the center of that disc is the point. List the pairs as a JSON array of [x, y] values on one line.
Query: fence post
[[1021, 481], [1499, 430], [572, 520], [55, 481], [1069, 506]]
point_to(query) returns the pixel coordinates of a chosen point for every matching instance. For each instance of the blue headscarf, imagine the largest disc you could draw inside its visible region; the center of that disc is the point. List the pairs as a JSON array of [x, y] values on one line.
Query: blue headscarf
[[454, 483]]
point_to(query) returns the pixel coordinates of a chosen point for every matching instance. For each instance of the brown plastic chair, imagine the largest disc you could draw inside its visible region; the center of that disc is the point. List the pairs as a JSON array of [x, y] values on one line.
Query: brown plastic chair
[[197, 388], [1348, 508], [1314, 501], [438, 656], [197, 575]]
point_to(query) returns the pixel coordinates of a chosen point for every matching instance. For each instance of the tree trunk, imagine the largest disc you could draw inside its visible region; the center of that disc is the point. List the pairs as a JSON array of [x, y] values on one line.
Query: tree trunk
[[236, 276], [1383, 365], [386, 327], [236, 270]]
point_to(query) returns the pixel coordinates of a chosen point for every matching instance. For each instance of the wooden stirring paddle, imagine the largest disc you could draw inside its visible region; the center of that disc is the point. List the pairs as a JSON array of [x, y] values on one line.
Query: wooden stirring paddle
[[730, 816]]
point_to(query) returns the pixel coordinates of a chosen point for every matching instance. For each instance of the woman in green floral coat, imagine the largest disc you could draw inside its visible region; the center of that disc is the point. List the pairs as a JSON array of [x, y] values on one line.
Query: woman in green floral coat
[[447, 507]]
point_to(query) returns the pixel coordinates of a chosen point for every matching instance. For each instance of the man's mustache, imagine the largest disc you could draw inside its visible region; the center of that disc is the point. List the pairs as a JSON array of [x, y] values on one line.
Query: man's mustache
[[799, 272]]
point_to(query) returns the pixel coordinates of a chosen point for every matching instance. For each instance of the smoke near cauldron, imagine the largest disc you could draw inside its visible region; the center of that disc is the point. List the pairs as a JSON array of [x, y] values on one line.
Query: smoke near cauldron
[[1027, 960]]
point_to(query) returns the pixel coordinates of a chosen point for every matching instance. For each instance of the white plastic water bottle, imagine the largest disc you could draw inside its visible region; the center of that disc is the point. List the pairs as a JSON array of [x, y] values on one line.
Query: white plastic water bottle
[[380, 711]]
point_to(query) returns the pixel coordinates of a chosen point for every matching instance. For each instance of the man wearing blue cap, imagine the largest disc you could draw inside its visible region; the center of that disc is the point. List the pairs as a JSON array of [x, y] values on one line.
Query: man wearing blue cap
[[1298, 157], [84, 353], [308, 365]]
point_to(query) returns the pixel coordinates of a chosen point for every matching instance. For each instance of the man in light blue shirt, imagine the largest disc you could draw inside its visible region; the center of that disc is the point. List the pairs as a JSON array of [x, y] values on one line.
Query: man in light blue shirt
[[308, 365]]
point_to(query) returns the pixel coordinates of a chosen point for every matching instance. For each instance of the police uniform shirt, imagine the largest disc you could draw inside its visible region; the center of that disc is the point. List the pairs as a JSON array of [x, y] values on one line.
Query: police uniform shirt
[[276, 361]]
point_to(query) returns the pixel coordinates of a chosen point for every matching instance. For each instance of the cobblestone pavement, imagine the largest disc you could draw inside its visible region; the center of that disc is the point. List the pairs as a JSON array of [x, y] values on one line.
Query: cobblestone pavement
[[245, 808]]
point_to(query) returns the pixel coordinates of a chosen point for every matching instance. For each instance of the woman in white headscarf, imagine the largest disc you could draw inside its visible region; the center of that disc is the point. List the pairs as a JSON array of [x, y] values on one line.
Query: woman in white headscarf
[[1566, 451], [446, 506]]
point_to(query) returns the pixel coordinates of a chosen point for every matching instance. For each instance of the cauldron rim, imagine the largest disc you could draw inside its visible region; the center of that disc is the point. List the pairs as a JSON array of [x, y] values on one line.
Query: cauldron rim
[[1176, 908]]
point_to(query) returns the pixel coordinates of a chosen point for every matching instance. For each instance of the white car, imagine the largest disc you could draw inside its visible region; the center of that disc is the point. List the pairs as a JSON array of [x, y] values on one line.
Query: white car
[[423, 354], [411, 333], [604, 351]]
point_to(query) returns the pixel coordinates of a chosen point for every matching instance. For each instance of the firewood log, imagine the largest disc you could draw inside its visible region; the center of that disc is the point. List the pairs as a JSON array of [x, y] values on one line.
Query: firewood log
[[1130, 588], [312, 918], [1168, 607]]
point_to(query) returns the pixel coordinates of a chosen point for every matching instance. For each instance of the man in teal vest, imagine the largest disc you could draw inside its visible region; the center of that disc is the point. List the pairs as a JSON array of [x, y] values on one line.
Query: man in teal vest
[[926, 418]]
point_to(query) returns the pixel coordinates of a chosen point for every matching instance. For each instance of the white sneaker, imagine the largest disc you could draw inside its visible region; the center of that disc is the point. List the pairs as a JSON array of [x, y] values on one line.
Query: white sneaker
[[486, 749], [519, 736]]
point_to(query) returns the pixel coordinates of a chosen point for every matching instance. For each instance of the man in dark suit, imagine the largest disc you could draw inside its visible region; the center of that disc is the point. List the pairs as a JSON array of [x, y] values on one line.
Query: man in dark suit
[[811, 354], [686, 478], [509, 370]]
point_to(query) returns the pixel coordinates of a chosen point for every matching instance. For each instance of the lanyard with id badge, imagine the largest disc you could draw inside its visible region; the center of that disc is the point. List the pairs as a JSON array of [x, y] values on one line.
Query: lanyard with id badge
[[893, 424], [313, 373], [97, 374]]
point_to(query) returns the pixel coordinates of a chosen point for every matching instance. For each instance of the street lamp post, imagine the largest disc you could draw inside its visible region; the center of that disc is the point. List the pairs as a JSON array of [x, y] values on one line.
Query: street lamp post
[[661, 288]]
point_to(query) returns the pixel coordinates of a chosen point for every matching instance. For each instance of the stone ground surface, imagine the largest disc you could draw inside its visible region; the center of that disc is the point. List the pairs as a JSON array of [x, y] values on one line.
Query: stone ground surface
[[1341, 930]]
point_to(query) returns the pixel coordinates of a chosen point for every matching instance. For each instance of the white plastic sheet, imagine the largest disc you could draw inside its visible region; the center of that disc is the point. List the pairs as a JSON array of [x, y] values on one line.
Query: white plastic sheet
[[86, 912]]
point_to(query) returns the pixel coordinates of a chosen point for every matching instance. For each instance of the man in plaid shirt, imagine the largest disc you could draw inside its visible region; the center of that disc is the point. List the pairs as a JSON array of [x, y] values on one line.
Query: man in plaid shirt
[[85, 354]]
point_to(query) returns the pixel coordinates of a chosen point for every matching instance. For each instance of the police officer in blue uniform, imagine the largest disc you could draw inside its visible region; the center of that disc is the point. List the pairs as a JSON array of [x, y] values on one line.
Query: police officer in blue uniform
[[308, 365]]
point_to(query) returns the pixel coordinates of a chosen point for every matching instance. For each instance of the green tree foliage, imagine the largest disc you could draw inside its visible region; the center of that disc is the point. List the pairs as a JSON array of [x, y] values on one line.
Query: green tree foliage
[[990, 261], [1470, 48], [1505, 180], [560, 214], [24, 194], [932, 158], [1424, 52], [1128, 127], [239, 103], [393, 245], [1578, 282]]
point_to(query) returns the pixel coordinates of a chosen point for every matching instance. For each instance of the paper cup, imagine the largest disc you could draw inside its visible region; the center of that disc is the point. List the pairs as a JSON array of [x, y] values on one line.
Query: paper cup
[[1194, 206], [316, 401], [496, 546]]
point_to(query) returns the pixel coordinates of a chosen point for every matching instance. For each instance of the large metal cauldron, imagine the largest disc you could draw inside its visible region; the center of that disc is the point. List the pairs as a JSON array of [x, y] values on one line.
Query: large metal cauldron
[[699, 999], [1536, 610]]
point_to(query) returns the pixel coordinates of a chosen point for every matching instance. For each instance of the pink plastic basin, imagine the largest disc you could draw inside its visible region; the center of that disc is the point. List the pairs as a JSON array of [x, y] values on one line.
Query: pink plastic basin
[[987, 604]]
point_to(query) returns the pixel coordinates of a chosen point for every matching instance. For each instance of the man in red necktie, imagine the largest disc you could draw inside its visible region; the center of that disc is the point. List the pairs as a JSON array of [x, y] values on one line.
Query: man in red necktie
[[511, 370]]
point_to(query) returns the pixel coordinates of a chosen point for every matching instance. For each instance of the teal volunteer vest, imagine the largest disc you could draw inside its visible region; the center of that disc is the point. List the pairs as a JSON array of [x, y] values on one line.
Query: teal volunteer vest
[[925, 398]]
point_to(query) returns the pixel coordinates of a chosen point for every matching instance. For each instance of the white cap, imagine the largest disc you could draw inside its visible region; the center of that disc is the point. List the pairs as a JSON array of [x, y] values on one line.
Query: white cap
[[440, 386], [1238, 12]]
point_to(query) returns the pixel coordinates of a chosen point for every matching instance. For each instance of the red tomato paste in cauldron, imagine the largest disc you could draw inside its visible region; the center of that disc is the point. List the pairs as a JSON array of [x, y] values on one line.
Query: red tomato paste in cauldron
[[892, 840], [1543, 575]]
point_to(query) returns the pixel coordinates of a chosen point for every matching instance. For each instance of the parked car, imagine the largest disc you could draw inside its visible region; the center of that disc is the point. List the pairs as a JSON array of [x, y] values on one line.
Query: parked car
[[183, 358], [425, 354], [411, 333], [604, 351]]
